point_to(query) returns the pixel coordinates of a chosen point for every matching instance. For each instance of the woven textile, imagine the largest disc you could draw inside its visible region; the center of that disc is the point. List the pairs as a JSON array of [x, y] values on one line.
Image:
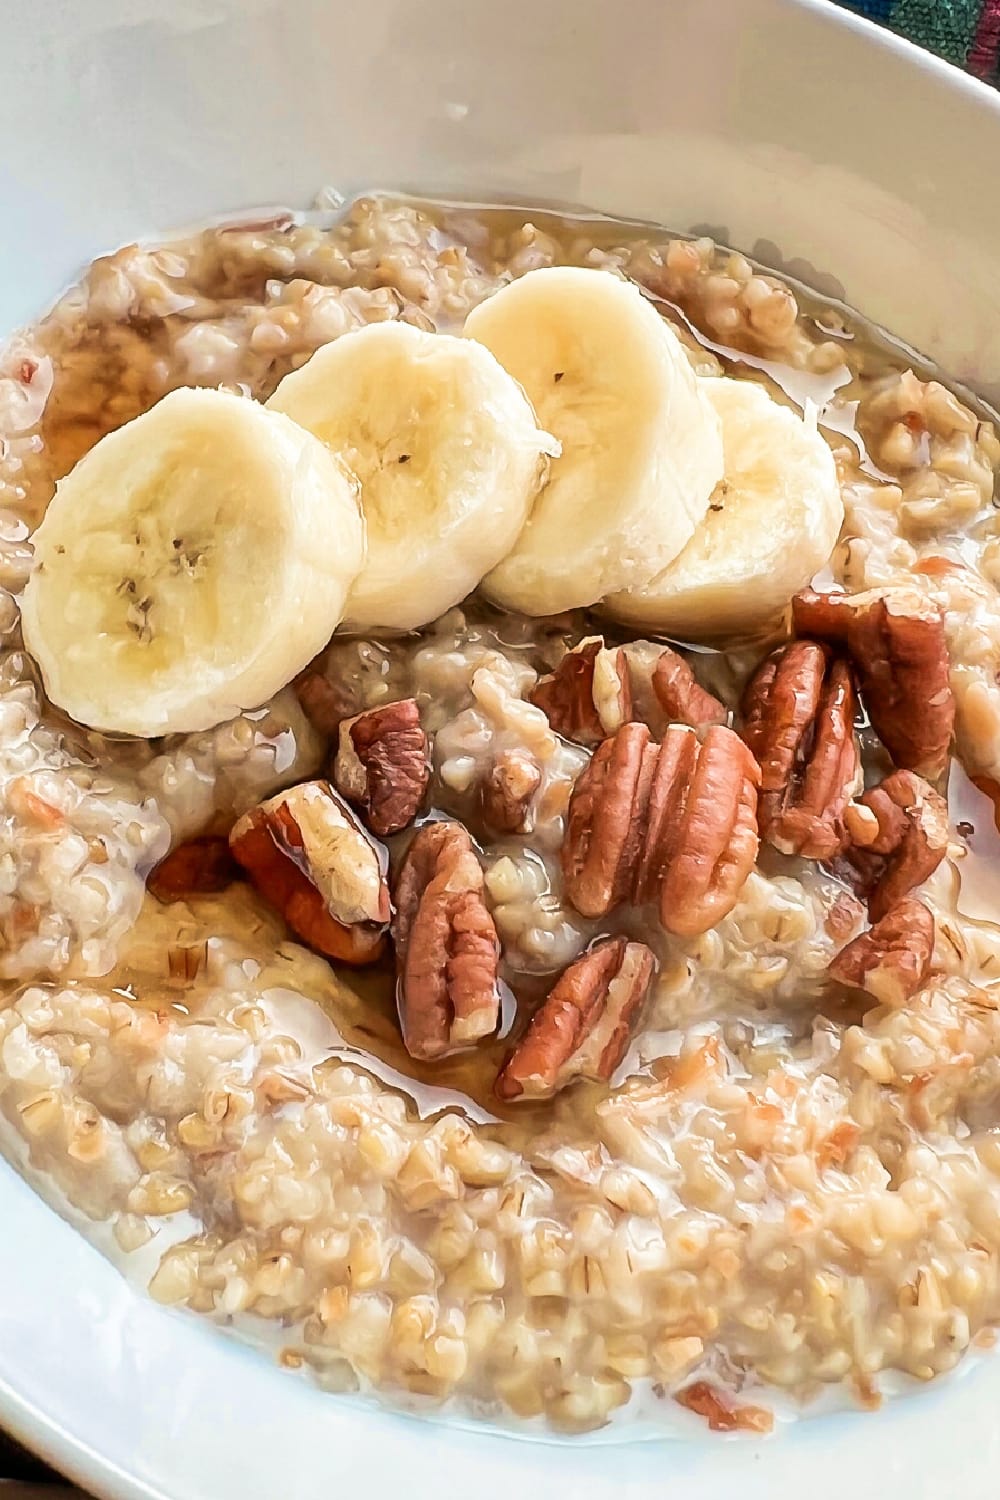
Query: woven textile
[[966, 32]]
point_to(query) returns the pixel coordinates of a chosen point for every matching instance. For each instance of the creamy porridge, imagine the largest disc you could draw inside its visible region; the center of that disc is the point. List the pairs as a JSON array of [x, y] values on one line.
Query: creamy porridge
[[504, 1006]]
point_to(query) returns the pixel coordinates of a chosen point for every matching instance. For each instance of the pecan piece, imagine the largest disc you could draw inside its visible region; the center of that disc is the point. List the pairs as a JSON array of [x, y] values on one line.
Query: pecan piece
[[308, 855], [891, 960], [185, 962], [382, 765], [582, 1029], [588, 695], [508, 790], [323, 703], [674, 822], [681, 696], [799, 722], [895, 638], [604, 823], [844, 916], [447, 950], [899, 833], [199, 867], [32, 808], [721, 1412]]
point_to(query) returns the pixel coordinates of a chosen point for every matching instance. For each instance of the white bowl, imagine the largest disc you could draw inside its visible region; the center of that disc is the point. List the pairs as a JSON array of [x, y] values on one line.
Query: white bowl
[[786, 127]]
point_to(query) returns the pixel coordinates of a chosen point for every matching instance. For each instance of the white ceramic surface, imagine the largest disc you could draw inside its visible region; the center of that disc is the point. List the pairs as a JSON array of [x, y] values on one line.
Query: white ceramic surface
[[787, 128]]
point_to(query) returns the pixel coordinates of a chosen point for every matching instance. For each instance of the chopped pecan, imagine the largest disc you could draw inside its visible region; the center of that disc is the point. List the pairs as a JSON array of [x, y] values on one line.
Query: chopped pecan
[[891, 960], [799, 722], [681, 696], [185, 962], [323, 703], [604, 823], [582, 1030], [899, 836], [308, 855], [199, 867], [844, 916], [508, 790], [447, 951], [588, 695], [32, 808], [895, 638], [674, 822], [721, 1412], [382, 765], [991, 790], [837, 1146]]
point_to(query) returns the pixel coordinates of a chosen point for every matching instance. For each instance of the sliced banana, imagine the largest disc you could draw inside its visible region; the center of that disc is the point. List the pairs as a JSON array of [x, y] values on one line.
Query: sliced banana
[[448, 452], [190, 565], [641, 449], [772, 524]]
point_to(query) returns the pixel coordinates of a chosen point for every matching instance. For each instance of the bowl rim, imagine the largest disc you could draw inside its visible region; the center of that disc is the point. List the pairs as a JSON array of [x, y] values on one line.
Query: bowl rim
[[946, 72]]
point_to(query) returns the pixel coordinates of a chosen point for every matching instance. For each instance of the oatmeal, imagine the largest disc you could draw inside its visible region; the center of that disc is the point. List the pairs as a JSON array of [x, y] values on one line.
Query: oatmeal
[[560, 1014]]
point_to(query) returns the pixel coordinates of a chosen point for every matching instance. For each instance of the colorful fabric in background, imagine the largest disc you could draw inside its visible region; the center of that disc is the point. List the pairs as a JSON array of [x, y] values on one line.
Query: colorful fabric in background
[[966, 32]]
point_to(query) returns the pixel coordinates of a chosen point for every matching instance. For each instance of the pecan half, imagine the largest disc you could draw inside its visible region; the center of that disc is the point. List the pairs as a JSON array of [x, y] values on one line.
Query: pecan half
[[895, 638], [799, 722], [447, 950], [716, 841], [891, 960], [681, 696], [674, 822], [382, 765], [508, 790], [672, 765], [588, 695], [583, 1028], [604, 823], [308, 855], [199, 867], [899, 834]]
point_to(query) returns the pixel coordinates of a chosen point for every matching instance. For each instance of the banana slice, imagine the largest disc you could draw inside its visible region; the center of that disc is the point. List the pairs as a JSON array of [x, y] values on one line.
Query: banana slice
[[190, 565], [641, 449], [772, 524], [448, 452]]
